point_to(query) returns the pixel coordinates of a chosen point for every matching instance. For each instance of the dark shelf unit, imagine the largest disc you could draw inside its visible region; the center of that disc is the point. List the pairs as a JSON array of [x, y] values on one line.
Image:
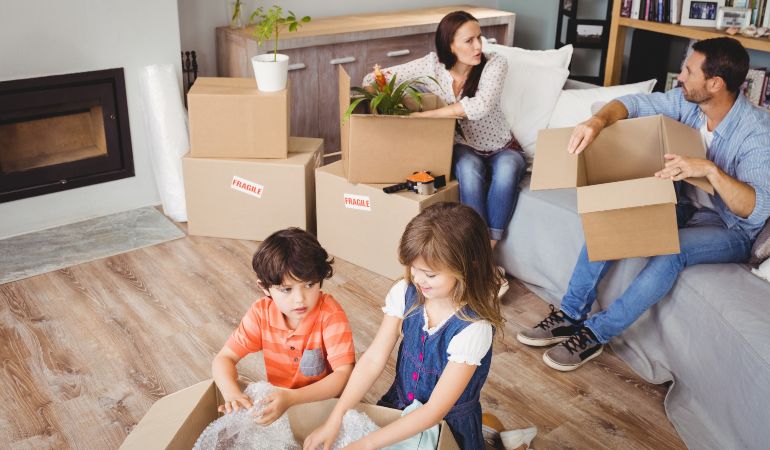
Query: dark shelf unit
[[568, 11]]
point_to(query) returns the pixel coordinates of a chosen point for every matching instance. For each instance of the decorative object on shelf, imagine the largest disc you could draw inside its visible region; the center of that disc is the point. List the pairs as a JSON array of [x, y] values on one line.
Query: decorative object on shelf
[[389, 98], [589, 36], [271, 70], [234, 8], [189, 71], [698, 13], [733, 17]]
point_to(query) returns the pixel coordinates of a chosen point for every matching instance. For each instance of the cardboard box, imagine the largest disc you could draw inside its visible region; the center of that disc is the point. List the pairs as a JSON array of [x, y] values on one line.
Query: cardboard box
[[176, 420], [363, 225], [252, 198], [626, 211], [231, 118], [387, 149]]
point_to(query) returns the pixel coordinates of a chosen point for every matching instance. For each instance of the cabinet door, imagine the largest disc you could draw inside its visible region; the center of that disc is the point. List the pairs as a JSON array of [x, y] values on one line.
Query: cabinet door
[[303, 82], [232, 58], [394, 51], [495, 33], [352, 57]]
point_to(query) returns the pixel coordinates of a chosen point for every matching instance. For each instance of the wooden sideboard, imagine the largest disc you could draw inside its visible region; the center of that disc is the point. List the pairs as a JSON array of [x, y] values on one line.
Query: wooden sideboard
[[356, 42]]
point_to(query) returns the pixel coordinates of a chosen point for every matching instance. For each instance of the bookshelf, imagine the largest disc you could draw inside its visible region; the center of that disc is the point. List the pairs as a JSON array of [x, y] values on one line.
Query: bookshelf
[[583, 33], [619, 27]]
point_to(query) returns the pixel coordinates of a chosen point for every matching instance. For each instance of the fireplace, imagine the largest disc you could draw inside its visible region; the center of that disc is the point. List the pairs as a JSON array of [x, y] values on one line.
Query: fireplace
[[61, 132]]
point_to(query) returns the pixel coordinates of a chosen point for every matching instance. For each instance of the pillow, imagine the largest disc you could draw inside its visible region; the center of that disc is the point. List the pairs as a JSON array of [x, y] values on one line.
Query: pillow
[[761, 249], [549, 58], [574, 105]]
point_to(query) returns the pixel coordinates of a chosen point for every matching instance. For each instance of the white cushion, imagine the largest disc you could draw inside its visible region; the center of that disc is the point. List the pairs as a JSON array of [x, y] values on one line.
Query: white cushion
[[549, 58], [575, 105]]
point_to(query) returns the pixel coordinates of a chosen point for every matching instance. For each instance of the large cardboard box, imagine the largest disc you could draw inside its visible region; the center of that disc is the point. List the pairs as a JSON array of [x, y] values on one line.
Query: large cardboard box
[[626, 211], [252, 198], [387, 149], [231, 118], [363, 225], [176, 420]]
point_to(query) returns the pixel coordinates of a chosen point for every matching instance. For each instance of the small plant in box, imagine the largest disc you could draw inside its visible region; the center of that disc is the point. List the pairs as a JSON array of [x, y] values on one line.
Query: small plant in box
[[388, 97]]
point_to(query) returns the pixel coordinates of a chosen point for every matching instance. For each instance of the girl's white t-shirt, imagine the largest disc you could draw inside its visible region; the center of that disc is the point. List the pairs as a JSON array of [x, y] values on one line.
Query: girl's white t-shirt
[[469, 346]]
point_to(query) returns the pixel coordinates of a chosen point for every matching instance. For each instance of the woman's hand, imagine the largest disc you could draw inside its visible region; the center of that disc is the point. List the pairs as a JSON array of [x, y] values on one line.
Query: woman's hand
[[234, 402], [324, 435], [274, 405]]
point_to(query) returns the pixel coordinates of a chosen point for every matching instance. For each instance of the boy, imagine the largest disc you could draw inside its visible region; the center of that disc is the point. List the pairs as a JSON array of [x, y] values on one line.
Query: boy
[[304, 335]]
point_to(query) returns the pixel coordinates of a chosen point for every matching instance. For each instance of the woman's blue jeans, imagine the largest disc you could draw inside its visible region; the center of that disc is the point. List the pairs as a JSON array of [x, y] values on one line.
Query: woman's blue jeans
[[699, 244], [489, 184]]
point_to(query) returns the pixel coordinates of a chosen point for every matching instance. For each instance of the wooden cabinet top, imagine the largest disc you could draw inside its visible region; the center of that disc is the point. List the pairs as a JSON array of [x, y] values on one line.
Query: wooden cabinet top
[[339, 29]]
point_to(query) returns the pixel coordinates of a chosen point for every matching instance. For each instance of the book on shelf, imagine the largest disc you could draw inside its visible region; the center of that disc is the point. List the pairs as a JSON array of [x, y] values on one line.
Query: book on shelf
[[625, 8], [676, 11], [635, 7], [755, 85]]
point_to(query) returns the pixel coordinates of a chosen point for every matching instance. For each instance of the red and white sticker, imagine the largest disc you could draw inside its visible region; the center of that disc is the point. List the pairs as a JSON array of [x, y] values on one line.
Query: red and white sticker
[[360, 202], [247, 187]]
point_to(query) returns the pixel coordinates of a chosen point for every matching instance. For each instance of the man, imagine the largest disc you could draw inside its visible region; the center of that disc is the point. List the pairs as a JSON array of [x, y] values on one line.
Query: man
[[712, 229]]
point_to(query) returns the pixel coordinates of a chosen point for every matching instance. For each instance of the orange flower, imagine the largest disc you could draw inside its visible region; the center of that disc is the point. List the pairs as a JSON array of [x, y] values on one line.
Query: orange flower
[[379, 78]]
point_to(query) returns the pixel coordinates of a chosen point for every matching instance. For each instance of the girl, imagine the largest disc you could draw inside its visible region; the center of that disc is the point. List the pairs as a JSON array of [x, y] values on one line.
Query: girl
[[487, 160], [446, 310]]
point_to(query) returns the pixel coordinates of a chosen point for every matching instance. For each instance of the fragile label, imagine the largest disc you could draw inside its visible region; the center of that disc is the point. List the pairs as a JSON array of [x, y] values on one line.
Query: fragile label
[[361, 202], [247, 187]]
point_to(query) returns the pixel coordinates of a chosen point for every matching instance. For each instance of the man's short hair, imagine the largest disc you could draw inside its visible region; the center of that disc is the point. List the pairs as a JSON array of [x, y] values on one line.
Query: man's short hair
[[292, 252], [725, 58]]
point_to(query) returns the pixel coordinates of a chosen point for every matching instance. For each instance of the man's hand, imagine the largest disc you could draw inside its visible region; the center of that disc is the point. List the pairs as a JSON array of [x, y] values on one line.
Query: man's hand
[[585, 133], [273, 406], [681, 167]]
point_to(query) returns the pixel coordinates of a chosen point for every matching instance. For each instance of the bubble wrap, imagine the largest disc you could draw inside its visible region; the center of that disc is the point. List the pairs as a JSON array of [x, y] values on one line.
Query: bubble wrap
[[238, 429]]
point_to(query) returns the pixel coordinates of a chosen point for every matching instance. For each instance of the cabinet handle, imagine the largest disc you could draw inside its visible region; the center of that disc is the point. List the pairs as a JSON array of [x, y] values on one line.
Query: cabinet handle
[[297, 66], [343, 60], [394, 53], [492, 40]]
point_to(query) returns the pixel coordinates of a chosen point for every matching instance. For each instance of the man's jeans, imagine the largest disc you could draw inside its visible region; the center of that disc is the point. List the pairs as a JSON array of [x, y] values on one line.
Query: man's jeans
[[699, 244], [489, 184]]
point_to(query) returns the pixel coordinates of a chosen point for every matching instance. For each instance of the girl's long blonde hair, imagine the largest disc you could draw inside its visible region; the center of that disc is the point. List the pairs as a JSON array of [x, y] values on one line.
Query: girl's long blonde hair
[[452, 237]]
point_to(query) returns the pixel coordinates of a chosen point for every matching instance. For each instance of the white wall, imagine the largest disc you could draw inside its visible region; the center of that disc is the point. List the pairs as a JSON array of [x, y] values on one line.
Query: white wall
[[199, 18], [50, 37]]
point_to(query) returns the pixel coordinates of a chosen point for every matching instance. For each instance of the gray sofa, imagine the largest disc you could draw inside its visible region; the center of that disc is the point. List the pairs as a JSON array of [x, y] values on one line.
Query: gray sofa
[[710, 335]]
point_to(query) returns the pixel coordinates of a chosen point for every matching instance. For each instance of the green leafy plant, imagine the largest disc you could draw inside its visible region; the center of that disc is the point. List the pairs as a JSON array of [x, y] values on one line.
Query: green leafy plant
[[388, 97], [235, 19], [268, 23]]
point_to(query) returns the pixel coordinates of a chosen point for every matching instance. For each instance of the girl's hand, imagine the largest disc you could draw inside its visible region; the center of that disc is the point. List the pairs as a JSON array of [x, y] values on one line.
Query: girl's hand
[[323, 436], [274, 405], [234, 402], [358, 445]]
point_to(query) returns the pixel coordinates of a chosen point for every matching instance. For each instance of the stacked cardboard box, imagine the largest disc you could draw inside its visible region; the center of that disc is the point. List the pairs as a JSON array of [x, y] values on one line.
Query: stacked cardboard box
[[245, 178]]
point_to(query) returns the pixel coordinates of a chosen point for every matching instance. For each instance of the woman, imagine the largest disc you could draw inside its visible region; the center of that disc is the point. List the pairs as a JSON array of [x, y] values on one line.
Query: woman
[[487, 160]]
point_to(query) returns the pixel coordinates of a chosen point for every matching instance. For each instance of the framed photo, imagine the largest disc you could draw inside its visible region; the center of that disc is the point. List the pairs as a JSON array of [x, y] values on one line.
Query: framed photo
[[589, 34], [568, 6], [701, 13], [733, 17], [671, 81]]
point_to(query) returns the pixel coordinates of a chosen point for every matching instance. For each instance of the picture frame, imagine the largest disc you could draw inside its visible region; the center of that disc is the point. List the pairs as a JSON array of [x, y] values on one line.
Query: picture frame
[[671, 81], [701, 13], [733, 17], [568, 6], [589, 33]]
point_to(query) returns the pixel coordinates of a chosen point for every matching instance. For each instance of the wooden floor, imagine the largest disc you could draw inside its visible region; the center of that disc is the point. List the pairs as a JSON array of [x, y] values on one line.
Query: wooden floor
[[86, 350]]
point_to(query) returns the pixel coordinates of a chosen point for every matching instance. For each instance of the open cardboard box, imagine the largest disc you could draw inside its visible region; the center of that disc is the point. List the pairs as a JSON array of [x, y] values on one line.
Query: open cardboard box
[[176, 420], [387, 149], [231, 118], [626, 211]]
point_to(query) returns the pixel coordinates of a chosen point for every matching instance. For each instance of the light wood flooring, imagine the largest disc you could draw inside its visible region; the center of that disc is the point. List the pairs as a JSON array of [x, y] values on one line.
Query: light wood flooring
[[85, 351]]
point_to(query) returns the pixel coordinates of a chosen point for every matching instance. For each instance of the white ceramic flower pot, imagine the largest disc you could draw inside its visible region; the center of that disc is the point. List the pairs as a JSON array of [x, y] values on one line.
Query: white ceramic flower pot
[[271, 72]]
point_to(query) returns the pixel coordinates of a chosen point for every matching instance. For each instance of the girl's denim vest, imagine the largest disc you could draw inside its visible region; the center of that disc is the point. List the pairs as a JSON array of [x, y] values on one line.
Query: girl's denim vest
[[421, 361]]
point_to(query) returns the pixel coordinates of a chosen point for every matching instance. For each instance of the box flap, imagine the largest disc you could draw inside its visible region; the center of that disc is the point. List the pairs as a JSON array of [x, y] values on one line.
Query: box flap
[[625, 194], [683, 140], [344, 99], [176, 420], [554, 168], [228, 86]]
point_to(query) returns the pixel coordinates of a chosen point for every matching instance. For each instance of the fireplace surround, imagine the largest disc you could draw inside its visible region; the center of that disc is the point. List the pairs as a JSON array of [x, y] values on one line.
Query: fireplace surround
[[62, 132]]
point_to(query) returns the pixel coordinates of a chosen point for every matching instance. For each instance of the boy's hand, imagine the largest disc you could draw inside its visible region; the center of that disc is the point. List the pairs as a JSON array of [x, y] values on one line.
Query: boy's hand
[[234, 402], [274, 405]]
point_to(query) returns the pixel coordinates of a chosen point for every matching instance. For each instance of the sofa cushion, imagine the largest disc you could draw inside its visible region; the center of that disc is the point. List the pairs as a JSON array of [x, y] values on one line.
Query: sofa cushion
[[575, 105]]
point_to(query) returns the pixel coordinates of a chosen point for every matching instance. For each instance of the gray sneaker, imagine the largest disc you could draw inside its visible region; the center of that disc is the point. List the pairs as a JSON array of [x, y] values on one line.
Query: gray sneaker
[[580, 348], [555, 328]]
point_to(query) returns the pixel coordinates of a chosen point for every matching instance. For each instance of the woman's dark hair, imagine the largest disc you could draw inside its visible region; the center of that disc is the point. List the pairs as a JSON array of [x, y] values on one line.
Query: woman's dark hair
[[291, 252], [445, 33], [725, 58]]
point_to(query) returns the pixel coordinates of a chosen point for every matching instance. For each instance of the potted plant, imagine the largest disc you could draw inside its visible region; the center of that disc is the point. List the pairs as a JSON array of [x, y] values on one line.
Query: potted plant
[[271, 70], [234, 12], [389, 98]]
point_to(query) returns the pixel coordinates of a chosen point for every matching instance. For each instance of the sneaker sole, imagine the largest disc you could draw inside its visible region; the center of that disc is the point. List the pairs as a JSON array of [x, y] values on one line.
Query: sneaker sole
[[532, 342], [568, 367]]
